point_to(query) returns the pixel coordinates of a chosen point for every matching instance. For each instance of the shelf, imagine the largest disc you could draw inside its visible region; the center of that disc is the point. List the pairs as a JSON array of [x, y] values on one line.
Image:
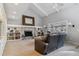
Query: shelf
[[9, 25]]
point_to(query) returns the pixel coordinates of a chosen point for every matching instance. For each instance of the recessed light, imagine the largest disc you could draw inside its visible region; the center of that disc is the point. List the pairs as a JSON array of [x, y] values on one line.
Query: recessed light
[[14, 12]]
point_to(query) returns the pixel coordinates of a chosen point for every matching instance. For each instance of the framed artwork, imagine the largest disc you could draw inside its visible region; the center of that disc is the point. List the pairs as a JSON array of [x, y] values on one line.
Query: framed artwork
[[28, 20]]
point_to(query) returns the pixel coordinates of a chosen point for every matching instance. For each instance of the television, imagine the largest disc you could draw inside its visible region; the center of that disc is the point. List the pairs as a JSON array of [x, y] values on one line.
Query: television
[[28, 33]]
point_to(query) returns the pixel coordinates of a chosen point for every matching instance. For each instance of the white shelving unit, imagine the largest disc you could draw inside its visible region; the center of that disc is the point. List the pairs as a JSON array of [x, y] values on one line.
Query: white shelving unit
[[57, 26], [21, 28]]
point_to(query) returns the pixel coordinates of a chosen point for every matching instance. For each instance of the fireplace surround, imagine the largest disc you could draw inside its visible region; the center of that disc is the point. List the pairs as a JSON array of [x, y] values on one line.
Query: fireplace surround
[[28, 33]]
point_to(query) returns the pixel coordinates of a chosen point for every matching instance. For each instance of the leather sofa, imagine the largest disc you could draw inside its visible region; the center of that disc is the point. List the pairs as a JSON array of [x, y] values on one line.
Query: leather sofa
[[49, 43], [46, 44]]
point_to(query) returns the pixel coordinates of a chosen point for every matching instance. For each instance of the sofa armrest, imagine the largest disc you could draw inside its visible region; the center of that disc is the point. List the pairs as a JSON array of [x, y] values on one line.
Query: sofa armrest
[[43, 38], [41, 42], [38, 38], [40, 46]]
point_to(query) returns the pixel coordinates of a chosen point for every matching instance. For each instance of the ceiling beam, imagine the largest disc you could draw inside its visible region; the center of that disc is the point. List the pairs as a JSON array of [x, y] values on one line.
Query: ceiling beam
[[40, 9]]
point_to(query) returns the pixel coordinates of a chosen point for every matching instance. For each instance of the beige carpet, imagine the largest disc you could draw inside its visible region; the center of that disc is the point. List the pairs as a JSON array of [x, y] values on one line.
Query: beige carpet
[[20, 48]]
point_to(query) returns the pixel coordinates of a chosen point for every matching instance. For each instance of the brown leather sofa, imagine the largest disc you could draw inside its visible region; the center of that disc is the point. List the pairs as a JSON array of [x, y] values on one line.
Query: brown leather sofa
[[44, 44]]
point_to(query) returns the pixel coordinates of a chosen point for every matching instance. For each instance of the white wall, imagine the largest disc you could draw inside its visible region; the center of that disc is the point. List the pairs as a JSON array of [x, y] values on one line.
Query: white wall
[[72, 15], [38, 20], [21, 9], [3, 38]]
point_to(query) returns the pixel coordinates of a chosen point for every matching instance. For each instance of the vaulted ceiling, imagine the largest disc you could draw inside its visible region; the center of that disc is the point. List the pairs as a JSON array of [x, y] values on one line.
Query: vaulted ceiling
[[45, 9], [14, 10], [41, 9]]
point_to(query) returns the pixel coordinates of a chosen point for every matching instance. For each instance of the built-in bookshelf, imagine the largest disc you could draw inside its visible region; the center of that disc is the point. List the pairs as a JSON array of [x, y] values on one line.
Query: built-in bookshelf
[[15, 32]]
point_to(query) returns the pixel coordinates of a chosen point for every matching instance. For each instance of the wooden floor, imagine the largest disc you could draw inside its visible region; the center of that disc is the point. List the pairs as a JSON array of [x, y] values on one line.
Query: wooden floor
[[20, 48]]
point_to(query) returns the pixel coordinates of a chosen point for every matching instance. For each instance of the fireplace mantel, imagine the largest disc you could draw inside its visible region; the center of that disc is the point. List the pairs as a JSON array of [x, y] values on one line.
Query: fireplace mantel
[[9, 25]]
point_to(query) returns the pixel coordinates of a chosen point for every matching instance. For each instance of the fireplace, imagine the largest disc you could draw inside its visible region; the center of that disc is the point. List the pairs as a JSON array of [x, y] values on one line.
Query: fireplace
[[28, 33]]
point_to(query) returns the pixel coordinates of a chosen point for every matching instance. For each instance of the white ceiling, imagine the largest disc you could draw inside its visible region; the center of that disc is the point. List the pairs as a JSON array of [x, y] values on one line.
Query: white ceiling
[[15, 11], [48, 7], [44, 9]]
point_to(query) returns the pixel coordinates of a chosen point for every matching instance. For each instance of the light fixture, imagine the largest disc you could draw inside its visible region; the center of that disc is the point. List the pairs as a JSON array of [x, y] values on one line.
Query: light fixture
[[55, 5], [14, 12]]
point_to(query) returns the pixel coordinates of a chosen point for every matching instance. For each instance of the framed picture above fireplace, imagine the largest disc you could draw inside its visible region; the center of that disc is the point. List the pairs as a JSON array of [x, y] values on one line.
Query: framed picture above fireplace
[[28, 20]]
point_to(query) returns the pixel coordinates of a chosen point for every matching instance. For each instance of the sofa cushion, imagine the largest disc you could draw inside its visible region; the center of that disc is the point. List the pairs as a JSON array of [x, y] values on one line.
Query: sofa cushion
[[38, 38], [41, 37], [47, 38], [44, 38]]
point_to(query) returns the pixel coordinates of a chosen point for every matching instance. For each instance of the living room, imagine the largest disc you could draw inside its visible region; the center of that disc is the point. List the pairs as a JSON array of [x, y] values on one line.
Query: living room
[[30, 23]]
